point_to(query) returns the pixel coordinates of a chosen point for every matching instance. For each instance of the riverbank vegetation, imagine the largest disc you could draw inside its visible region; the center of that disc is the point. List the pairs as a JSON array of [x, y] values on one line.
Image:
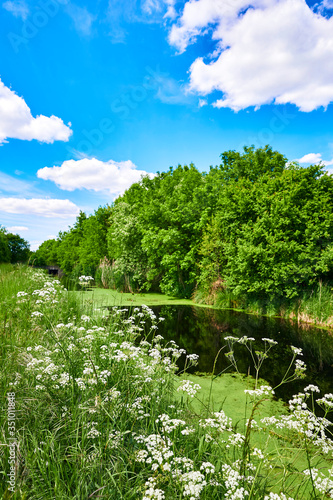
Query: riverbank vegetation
[[254, 232], [98, 412]]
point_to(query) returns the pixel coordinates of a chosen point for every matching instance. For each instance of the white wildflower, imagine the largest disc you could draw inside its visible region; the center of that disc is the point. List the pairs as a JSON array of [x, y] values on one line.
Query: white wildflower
[[36, 314], [189, 387], [297, 350], [269, 341]]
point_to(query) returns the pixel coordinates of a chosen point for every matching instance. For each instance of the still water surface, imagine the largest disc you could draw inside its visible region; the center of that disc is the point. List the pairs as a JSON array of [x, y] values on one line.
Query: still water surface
[[201, 331]]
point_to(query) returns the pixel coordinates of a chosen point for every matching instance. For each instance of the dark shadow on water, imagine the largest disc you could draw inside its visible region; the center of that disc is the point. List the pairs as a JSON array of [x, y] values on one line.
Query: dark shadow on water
[[202, 331]]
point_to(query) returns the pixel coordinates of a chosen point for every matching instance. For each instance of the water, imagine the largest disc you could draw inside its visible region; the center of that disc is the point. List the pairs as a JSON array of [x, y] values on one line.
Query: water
[[201, 331]]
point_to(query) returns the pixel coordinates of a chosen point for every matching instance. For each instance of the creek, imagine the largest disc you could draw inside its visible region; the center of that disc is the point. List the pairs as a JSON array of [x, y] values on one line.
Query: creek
[[202, 330]]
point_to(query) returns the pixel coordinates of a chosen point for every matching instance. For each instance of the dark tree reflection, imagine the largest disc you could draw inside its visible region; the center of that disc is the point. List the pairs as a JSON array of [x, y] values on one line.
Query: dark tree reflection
[[202, 331]]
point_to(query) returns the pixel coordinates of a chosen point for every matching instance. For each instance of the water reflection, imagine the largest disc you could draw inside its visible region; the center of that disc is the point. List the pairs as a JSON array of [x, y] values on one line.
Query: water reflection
[[202, 331]]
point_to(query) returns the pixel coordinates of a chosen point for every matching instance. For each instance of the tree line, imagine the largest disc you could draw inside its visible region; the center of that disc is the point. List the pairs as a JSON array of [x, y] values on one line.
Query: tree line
[[13, 248], [255, 225]]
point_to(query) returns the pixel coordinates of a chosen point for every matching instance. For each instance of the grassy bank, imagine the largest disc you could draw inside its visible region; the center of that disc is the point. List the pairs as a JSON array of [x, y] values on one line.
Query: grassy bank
[[312, 307], [91, 409]]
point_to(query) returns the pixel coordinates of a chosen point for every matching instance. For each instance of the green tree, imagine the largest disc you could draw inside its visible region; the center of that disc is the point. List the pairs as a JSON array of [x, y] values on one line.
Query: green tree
[[4, 247], [129, 261], [93, 243], [80, 249], [68, 251], [171, 242], [276, 233], [252, 164], [18, 247], [253, 224], [47, 253], [155, 230]]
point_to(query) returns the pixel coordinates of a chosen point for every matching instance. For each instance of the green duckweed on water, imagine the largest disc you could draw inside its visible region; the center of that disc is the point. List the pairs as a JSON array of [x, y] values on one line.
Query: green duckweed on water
[[102, 297]]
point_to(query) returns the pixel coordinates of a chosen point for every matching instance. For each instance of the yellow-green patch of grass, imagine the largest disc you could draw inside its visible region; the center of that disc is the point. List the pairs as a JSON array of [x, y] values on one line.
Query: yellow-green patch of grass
[[101, 297]]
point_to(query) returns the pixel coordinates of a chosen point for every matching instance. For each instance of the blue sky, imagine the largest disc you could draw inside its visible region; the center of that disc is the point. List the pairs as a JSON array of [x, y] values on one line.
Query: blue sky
[[94, 94]]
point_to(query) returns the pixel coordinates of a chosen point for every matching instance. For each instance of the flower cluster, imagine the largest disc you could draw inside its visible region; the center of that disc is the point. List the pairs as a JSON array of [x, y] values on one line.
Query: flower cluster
[[322, 483], [189, 388], [159, 455], [265, 390], [275, 496], [234, 483], [304, 422], [85, 281]]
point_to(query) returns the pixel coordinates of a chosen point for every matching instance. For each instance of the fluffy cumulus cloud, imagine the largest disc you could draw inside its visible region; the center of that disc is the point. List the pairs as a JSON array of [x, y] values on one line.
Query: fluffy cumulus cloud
[[17, 122], [38, 206], [314, 159], [267, 51], [95, 175]]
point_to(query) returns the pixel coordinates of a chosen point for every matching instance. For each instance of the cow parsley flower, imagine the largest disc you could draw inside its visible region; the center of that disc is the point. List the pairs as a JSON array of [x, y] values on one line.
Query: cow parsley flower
[[189, 387]]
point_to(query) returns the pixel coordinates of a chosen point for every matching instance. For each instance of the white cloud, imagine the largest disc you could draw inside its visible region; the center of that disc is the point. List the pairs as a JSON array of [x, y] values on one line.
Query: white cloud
[[18, 8], [200, 15], [314, 159], [12, 185], [324, 6], [35, 244], [93, 174], [158, 6], [267, 51], [327, 163], [171, 11], [151, 6], [17, 122], [82, 18], [38, 206], [171, 91], [310, 158], [120, 13], [15, 229]]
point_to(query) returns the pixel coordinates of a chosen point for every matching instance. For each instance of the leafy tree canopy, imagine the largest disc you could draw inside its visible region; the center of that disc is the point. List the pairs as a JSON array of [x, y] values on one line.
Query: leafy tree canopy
[[18, 247], [254, 224], [4, 247]]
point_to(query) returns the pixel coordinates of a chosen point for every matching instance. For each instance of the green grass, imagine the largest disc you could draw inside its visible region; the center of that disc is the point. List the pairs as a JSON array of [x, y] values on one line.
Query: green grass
[[310, 307]]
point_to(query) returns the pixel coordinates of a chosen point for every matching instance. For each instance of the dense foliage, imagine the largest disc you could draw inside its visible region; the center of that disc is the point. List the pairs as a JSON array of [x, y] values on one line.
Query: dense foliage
[[13, 248], [80, 249], [255, 225]]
